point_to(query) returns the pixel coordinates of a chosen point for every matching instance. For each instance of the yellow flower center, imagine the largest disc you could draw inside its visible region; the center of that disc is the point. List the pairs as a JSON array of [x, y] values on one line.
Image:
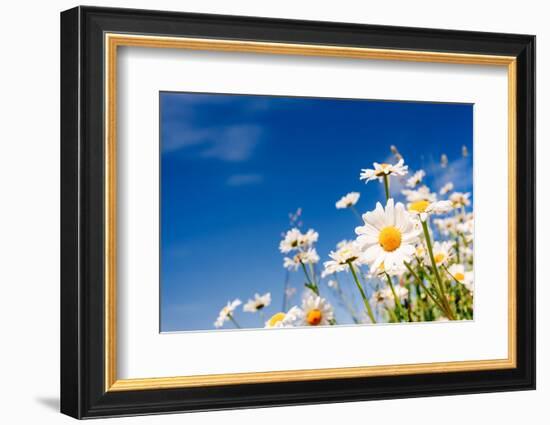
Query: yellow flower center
[[390, 238], [419, 206], [276, 318], [314, 317], [439, 257], [384, 169], [459, 276]]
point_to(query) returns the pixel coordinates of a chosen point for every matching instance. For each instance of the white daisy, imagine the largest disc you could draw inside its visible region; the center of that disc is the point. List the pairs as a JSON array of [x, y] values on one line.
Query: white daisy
[[347, 253], [316, 311], [446, 188], [388, 236], [416, 178], [285, 320], [291, 241], [382, 170], [420, 251], [425, 208], [421, 194], [303, 257], [348, 200], [466, 225], [445, 225], [259, 302], [460, 199], [384, 297], [458, 272], [227, 312], [383, 269], [442, 253], [294, 239], [309, 238]]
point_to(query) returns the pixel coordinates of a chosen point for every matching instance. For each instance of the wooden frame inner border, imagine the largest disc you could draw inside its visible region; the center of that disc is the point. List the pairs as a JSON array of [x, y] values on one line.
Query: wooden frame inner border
[[113, 41]]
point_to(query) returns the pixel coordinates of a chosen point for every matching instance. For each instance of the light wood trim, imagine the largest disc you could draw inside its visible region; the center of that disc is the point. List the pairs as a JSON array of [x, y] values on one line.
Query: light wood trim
[[512, 216], [113, 41]]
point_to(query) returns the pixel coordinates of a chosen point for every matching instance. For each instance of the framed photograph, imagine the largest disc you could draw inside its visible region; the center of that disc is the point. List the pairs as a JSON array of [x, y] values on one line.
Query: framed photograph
[[261, 212]]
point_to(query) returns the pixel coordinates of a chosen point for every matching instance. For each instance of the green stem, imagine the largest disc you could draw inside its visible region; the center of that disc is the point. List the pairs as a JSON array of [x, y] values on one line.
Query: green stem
[[396, 298], [312, 271], [387, 186], [233, 320], [457, 249], [347, 304], [354, 210], [426, 290], [365, 300], [435, 270], [310, 285]]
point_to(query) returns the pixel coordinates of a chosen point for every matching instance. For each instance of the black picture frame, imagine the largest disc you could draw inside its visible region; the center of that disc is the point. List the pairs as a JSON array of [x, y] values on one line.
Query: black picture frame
[[83, 392]]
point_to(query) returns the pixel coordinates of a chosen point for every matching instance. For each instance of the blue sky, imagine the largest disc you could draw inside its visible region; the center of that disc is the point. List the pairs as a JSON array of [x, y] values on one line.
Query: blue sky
[[234, 166]]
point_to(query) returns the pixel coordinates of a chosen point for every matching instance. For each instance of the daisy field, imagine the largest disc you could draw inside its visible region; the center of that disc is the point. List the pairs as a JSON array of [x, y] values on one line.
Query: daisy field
[[280, 212]]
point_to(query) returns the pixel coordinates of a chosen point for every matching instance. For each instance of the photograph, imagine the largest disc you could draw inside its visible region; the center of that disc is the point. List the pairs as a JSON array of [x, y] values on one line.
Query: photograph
[[286, 210], [281, 212]]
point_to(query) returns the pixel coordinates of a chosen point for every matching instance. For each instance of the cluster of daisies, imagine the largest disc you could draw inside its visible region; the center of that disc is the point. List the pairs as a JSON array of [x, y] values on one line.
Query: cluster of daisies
[[411, 260], [314, 311]]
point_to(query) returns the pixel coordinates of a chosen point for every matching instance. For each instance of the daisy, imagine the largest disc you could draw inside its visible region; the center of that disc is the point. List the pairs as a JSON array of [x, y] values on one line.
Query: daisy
[[258, 303], [460, 199], [466, 225], [446, 188], [309, 238], [425, 208], [346, 254], [388, 236], [421, 194], [384, 297], [226, 313], [285, 320], [420, 251], [416, 178], [442, 253], [303, 257], [294, 239], [348, 200], [316, 311], [457, 271], [381, 171], [383, 269], [291, 241], [445, 225]]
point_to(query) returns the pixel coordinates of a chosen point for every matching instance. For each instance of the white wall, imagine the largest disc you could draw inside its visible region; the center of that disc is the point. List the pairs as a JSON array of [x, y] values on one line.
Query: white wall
[[29, 212]]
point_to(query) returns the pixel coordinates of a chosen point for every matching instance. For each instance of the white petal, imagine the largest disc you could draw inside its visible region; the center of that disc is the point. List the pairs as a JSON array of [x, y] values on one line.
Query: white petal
[[390, 213]]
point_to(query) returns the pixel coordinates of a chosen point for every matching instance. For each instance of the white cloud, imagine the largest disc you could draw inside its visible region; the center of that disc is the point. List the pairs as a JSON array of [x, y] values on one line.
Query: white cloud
[[227, 143], [244, 179], [234, 143]]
